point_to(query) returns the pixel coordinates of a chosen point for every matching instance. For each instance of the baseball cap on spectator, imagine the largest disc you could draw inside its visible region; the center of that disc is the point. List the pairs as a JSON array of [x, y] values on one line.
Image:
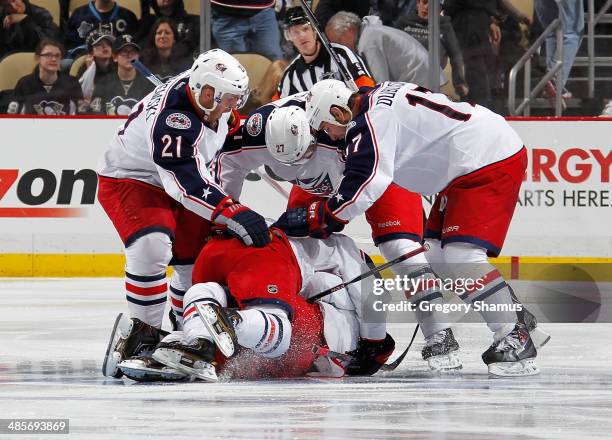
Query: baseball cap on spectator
[[124, 41], [96, 37]]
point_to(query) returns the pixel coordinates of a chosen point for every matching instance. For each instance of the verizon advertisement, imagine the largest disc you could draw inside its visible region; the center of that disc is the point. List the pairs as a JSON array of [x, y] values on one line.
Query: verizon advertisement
[[48, 186]]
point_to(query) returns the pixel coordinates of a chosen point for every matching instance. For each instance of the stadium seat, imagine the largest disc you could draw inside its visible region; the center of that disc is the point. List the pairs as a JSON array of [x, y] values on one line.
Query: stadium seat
[[52, 6], [132, 5], [13, 67], [76, 65], [255, 65], [192, 6]]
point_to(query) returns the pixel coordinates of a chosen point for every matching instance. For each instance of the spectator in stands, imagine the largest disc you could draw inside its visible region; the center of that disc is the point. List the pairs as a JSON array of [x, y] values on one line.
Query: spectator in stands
[[102, 15], [326, 8], [313, 62], [5, 99], [391, 54], [514, 26], [246, 26], [98, 63], [47, 91], [416, 23], [572, 16], [119, 92], [187, 26], [476, 28], [23, 26], [163, 55]]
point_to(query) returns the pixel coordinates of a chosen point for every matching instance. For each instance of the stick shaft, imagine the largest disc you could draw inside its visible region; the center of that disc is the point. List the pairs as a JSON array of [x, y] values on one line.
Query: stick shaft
[[370, 272], [142, 69]]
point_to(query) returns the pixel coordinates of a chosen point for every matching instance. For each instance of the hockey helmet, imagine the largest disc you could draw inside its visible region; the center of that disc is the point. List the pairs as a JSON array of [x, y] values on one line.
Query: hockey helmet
[[221, 71], [322, 97], [288, 136], [294, 16]]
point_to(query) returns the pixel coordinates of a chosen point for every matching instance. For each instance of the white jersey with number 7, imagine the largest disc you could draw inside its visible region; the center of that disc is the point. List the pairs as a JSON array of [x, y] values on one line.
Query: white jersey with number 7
[[420, 140]]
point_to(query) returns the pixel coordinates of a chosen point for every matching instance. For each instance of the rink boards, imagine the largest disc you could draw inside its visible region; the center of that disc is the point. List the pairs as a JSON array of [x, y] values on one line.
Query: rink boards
[[52, 225]]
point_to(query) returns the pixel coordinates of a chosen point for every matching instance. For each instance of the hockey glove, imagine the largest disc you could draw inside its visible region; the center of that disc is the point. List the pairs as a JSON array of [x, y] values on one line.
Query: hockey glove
[[316, 221], [239, 221], [370, 356]]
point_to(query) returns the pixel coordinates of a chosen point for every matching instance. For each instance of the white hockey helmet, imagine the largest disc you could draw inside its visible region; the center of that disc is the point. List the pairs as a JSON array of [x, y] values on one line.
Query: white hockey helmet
[[288, 136], [322, 97], [218, 69]]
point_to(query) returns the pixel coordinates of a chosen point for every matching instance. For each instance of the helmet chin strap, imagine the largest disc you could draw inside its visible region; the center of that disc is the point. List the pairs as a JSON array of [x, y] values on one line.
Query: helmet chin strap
[[195, 102]]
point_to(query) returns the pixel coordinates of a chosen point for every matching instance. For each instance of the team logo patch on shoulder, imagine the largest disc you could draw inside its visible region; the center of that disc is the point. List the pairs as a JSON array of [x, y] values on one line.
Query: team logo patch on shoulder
[[294, 129], [178, 120], [254, 124]]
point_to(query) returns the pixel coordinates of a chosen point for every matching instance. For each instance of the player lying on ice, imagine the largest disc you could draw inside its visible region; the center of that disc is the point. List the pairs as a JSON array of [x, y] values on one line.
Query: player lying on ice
[[403, 134], [278, 136], [269, 326]]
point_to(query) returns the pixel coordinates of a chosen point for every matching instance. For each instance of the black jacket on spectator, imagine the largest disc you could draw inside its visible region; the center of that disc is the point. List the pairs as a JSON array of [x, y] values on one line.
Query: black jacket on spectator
[[84, 19], [25, 35], [32, 97], [5, 98], [115, 97], [471, 19], [418, 28], [187, 25], [179, 61], [327, 8]]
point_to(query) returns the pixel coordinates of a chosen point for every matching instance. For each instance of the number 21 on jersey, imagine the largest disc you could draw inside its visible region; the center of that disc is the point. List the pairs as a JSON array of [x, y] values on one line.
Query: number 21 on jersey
[[172, 146]]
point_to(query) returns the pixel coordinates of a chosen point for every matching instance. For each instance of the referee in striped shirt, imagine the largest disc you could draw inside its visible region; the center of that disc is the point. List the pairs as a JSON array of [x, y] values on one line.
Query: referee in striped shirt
[[314, 63]]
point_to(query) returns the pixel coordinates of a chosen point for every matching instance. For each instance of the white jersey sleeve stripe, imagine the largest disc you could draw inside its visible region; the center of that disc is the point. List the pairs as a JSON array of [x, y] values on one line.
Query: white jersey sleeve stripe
[[355, 145]]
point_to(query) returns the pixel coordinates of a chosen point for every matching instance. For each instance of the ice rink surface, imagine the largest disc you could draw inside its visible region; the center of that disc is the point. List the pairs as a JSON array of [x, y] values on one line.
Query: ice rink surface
[[53, 334]]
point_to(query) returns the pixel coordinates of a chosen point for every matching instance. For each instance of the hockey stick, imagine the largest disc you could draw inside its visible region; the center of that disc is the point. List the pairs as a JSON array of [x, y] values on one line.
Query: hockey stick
[[344, 73], [393, 365], [326, 352], [375, 270], [270, 181], [142, 69]]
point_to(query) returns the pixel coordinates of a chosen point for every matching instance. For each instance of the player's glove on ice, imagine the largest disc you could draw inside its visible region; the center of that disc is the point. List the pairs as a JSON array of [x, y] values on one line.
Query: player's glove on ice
[[370, 356], [239, 221], [316, 221]]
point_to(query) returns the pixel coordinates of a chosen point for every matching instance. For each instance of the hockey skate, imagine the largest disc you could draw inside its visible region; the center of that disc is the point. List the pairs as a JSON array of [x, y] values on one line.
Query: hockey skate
[[441, 351], [220, 323], [130, 337], [195, 359], [147, 369], [512, 355], [539, 337]]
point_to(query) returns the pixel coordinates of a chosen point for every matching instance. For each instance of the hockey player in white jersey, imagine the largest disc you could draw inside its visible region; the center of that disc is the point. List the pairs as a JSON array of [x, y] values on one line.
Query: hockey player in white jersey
[[270, 318], [278, 136], [404, 134], [155, 188]]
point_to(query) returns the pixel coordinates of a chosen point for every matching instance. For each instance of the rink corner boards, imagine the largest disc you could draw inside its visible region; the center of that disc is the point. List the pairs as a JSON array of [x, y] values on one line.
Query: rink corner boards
[[112, 265]]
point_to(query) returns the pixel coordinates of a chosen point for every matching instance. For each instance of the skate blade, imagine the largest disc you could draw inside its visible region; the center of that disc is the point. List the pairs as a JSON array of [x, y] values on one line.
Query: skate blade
[[445, 363], [136, 370], [222, 339], [539, 337], [526, 367], [200, 369], [121, 329]]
